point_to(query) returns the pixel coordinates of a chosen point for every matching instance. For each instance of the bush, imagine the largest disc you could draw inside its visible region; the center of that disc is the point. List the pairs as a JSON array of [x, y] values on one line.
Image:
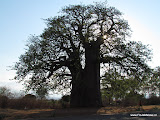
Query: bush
[[154, 100], [26, 103], [3, 101], [2, 116], [107, 101], [65, 101], [29, 96], [132, 99], [30, 102]]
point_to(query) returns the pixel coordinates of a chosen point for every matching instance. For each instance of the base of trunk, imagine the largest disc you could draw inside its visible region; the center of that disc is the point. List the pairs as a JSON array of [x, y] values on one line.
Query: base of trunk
[[85, 97]]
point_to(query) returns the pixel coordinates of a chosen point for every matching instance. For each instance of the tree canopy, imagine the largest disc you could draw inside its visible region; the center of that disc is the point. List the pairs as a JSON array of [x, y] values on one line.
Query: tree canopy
[[70, 52], [152, 85]]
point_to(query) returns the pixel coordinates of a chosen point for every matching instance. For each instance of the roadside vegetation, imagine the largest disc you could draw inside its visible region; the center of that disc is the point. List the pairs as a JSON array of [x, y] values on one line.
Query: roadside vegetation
[[24, 102], [31, 106]]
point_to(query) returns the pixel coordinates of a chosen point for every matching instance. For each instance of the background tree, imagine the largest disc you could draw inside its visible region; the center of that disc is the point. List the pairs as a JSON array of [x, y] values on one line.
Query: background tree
[[122, 87], [155, 80], [115, 86], [73, 48], [4, 91], [42, 92], [5, 94], [152, 85]]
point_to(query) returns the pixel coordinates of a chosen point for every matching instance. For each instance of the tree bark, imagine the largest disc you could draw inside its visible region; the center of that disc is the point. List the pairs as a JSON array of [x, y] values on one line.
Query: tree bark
[[92, 75], [86, 82], [78, 84], [78, 91]]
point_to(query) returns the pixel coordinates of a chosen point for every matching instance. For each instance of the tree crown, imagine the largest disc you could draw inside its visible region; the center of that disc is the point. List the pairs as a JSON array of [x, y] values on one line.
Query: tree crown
[[59, 52]]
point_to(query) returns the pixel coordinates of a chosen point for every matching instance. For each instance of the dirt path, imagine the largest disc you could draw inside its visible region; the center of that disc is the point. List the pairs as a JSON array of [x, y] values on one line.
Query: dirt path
[[141, 115], [103, 113]]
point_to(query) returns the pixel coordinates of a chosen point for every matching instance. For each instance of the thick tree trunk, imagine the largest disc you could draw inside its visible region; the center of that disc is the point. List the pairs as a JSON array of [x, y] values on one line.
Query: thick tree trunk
[[78, 90], [86, 83], [92, 75], [78, 83]]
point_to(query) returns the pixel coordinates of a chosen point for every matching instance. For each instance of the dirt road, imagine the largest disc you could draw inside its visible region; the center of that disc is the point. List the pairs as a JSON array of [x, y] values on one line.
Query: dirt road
[[146, 115]]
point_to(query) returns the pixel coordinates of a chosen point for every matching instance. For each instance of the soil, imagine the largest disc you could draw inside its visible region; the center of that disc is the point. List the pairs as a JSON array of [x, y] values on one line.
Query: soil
[[12, 114]]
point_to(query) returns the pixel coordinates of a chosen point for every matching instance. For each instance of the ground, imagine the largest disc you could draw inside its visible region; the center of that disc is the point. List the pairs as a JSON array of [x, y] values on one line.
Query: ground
[[81, 113]]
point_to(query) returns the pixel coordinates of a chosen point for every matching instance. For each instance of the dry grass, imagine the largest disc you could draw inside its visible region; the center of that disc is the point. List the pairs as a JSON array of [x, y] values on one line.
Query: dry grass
[[114, 110], [12, 114], [149, 107]]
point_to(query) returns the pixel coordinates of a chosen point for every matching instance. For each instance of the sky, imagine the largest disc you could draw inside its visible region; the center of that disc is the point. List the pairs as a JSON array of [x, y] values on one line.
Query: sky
[[20, 19]]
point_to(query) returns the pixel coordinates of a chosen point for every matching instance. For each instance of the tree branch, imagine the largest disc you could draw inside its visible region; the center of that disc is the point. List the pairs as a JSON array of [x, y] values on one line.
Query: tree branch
[[56, 65], [111, 59], [111, 28]]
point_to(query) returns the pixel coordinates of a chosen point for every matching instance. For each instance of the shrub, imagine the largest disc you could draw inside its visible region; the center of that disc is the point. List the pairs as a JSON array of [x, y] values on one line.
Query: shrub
[[107, 101], [154, 100], [65, 101], [132, 99], [30, 102], [3, 101], [29, 96], [2, 116]]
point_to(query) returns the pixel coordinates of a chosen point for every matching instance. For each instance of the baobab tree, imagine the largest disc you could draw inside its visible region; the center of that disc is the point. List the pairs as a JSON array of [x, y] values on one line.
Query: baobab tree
[[73, 48]]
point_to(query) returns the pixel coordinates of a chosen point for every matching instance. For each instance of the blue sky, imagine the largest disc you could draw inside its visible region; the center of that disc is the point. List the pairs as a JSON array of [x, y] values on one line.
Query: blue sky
[[21, 18]]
